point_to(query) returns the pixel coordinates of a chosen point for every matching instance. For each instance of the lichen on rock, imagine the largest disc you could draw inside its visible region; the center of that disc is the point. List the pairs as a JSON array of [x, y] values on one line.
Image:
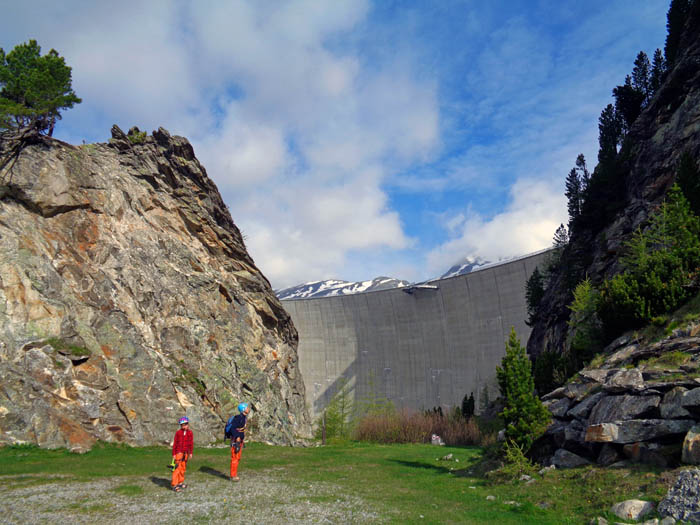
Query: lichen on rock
[[128, 299]]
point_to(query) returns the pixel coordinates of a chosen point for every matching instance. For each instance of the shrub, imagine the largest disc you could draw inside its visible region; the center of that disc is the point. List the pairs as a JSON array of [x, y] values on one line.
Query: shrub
[[661, 269], [549, 371], [585, 329], [515, 463], [417, 427], [336, 418], [523, 413]]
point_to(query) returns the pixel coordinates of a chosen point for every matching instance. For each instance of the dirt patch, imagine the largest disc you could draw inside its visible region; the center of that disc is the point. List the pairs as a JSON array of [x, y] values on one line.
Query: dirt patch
[[257, 498]]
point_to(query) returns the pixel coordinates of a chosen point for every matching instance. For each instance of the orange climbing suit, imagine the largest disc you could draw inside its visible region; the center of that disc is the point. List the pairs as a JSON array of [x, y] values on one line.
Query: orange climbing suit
[[235, 458], [180, 468]]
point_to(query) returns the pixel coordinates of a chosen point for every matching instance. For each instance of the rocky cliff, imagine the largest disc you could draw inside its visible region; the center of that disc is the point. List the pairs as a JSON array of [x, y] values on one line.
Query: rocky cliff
[[128, 299], [649, 158], [640, 403]]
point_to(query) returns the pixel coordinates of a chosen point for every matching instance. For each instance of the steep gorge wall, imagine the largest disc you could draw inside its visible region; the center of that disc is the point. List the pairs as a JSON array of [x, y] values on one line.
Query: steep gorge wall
[[128, 299], [421, 349]]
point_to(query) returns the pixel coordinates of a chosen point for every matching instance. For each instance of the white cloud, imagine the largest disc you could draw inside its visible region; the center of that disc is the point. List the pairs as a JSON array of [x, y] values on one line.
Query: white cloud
[[310, 124], [536, 209]]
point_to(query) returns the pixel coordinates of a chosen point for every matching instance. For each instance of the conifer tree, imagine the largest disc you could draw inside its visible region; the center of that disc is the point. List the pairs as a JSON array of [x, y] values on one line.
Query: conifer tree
[[574, 194], [534, 291], [641, 76], [629, 101], [561, 237], [584, 175], [658, 71], [468, 405], [524, 415], [675, 20], [609, 134], [35, 88]]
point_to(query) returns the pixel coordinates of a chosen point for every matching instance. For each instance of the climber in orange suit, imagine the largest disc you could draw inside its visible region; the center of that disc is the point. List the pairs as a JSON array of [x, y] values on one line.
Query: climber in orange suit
[[183, 445]]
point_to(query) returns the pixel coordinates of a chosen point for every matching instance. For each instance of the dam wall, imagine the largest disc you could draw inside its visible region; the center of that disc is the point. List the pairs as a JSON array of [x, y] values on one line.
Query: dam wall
[[420, 347]]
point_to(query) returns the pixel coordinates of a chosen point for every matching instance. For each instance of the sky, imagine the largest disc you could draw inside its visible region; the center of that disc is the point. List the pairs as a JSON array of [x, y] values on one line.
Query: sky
[[356, 138]]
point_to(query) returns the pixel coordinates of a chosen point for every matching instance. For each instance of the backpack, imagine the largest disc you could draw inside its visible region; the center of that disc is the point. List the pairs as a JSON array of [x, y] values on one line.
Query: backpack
[[228, 431]]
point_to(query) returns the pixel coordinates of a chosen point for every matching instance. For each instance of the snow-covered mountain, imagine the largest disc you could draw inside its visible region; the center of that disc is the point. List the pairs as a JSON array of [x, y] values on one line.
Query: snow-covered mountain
[[463, 266], [335, 287]]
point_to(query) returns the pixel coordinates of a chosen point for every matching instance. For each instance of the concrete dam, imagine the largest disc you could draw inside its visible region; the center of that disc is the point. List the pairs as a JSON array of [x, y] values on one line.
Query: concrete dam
[[421, 346]]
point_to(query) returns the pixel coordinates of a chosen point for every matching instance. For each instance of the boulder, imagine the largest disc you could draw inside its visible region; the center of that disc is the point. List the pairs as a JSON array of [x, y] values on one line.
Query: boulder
[[624, 381], [558, 407], [595, 375], [635, 430], [649, 453], [632, 509], [616, 408], [564, 459], [582, 410], [608, 455], [691, 398], [672, 404], [682, 501], [691, 447]]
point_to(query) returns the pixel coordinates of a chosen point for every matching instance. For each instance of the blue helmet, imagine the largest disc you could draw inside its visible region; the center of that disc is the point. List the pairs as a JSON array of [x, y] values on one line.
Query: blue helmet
[[242, 407], [183, 420]]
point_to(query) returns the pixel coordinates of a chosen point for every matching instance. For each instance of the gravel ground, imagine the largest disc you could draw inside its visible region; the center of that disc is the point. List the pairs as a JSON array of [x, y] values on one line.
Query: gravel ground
[[257, 498]]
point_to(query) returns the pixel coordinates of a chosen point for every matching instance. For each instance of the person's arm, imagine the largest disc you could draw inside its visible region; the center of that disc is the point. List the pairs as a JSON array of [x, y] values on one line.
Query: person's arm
[[176, 442]]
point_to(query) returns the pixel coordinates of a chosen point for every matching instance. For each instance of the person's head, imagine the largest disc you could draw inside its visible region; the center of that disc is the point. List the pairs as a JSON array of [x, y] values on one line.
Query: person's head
[[184, 422], [243, 408]]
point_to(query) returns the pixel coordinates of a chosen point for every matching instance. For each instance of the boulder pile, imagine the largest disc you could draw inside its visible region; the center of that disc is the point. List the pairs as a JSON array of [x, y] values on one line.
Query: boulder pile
[[641, 404]]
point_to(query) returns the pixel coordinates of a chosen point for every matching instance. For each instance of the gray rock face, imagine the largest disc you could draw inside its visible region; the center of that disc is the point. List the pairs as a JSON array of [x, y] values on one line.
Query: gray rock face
[[583, 409], [558, 407], [682, 501], [663, 131], [691, 447], [632, 509], [128, 299], [624, 380], [565, 459], [615, 408], [634, 430], [672, 404]]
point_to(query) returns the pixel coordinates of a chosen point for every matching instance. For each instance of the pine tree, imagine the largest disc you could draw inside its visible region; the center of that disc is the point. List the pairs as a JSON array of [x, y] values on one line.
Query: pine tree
[[584, 175], [609, 134], [34, 88], [641, 76], [675, 20], [524, 415], [658, 71], [534, 291], [561, 237], [468, 406], [629, 101], [574, 194]]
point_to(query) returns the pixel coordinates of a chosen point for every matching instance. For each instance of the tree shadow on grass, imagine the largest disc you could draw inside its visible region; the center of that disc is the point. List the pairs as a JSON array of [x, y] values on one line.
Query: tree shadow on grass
[[461, 472], [214, 472], [161, 482]]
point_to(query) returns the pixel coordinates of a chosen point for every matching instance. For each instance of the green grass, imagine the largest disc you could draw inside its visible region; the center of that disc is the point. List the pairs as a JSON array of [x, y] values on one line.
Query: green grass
[[62, 346], [402, 481], [129, 490]]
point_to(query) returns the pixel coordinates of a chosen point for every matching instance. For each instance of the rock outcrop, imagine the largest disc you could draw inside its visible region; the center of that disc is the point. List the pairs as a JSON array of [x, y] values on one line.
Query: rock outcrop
[[641, 404], [668, 127], [128, 299]]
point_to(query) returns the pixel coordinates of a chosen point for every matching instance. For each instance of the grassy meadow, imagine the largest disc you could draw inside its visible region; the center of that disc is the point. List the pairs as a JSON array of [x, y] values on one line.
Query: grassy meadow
[[346, 482]]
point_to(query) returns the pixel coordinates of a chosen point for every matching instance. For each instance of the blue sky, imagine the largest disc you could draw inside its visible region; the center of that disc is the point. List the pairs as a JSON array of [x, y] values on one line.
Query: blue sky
[[352, 139]]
